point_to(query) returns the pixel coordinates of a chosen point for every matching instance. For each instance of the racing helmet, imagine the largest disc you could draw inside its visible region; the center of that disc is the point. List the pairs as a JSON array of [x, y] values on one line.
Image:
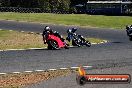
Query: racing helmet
[[69, 31], [74, 29], [47, 28]]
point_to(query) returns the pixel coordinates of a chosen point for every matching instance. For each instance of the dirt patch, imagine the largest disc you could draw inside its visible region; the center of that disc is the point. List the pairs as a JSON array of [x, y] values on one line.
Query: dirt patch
[[18, 40], [23, 79]]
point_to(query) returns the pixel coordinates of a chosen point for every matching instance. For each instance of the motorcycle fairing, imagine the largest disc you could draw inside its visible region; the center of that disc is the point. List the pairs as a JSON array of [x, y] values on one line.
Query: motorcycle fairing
[[57, 39]]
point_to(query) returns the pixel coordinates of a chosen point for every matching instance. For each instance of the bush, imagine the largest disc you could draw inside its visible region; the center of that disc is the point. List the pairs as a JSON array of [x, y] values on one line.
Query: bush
[[49, 5]]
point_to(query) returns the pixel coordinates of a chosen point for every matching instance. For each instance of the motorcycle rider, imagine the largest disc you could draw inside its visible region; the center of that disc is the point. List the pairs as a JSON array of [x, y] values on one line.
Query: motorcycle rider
[[77, 40], [70, 32], [47, 30], [129, 29]]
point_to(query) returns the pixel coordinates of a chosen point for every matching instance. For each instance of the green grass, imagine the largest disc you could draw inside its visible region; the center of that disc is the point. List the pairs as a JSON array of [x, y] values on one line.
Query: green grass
[[95, 40], [116, 22], [4, 33], [18, 40]]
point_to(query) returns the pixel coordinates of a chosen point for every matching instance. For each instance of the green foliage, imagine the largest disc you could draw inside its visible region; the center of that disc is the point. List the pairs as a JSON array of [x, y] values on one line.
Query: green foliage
[[5, 3], [62, 5], [50, 5]]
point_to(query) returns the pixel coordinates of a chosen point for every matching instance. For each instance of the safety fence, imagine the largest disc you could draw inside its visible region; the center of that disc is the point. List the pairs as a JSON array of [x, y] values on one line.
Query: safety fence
[[32, 10]]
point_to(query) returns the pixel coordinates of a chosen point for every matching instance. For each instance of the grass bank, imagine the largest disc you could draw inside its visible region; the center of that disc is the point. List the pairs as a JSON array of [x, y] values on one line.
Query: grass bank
[[19, 40], [101, 21]]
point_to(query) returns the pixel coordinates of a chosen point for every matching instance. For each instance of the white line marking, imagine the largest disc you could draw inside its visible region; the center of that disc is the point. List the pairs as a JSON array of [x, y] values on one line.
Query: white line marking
[[22, 31], [11, 20], [71, 46], [39, 70], [74, 67], [23, 49], [94, 43], [105, 41], [36, 48], [63, 68], [32, 32], [20, 49], [52, 69], [87, 66], [10, 30], [16, 72], [11, 49], [3, 73], [46, 70], [28, 71]]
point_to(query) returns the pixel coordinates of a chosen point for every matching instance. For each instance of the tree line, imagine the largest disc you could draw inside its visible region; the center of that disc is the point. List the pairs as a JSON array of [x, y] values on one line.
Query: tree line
[[65, 5]]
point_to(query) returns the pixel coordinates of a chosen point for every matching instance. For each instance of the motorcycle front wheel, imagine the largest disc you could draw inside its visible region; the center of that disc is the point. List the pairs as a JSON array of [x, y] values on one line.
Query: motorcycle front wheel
[[88, 44], [75, 43], [130, 38]]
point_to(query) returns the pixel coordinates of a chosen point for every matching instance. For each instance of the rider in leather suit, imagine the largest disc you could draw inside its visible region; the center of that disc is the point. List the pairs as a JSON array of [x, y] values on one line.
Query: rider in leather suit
[[47, 30]]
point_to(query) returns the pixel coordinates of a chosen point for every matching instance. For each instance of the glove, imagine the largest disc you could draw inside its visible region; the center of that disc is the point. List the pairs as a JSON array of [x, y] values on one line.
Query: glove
[[45, 42]]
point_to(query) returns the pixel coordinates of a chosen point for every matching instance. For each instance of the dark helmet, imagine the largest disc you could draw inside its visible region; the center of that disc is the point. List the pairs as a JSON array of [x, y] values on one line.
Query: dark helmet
[[47, 28], [74, 29], [69, 31]]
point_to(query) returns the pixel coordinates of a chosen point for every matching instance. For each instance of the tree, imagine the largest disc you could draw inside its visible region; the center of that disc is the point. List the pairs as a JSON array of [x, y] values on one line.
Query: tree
[[5, 3]]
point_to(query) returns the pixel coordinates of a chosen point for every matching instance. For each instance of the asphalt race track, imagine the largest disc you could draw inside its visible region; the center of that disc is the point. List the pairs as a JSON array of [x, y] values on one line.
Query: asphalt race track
[[112, 57]]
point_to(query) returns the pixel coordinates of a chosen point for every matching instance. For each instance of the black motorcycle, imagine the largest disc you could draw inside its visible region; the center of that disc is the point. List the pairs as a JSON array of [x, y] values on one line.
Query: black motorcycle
[[129, 32], [77, 40]]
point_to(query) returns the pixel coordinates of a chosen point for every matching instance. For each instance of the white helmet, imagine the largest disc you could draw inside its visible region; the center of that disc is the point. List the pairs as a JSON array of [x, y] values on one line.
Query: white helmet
[[47, 28], [69, 31]]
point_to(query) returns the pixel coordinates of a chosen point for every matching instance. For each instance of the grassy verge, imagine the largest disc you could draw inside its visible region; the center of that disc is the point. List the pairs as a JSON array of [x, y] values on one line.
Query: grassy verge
[[19, 40], [116, 22], [24, 79], [95, 40]]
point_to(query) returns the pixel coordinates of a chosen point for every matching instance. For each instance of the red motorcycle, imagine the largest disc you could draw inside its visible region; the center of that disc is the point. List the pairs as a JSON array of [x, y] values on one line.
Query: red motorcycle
[[55, 42]]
